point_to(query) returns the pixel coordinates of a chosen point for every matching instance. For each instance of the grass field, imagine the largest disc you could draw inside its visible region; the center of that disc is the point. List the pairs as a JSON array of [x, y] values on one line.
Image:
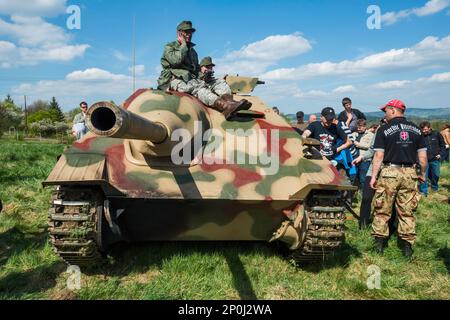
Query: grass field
[[30, 270]]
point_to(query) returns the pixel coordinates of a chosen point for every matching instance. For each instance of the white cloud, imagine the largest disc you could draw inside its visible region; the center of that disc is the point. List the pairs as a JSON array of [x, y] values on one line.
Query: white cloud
[[34, 39], [437, 78], [396, 84], [272, 48], [392, 84], [430, 8], [345, 89], [423, 92], [430, 52], [92, 84], [139, 69], [33, 32], [95, 74], [120, 56], [256, 57], [46, 8], [7, 52]]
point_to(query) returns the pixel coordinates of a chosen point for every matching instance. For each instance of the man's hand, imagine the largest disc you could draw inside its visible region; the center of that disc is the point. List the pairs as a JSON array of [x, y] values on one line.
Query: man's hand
[[209, 75], [422, 178], [349, 119], [438, 157], [373, 183], [180, 37], [357, 161]]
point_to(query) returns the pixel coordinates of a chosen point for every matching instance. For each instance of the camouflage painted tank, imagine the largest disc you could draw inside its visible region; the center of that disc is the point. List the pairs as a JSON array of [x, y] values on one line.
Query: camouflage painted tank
[[163, 166]]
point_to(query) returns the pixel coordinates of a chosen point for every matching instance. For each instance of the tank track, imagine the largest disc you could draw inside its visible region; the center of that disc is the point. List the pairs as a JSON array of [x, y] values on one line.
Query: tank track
[[74, 225], [325, 233]]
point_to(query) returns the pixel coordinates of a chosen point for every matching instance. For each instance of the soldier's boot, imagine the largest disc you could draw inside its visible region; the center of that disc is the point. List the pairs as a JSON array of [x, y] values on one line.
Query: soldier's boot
[[228, 108], [406, 249], [379, 244], [229, 97]]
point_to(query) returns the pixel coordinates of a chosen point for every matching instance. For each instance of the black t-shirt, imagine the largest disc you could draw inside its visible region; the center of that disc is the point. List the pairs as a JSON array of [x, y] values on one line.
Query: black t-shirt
[[400, 140], [327, 137]]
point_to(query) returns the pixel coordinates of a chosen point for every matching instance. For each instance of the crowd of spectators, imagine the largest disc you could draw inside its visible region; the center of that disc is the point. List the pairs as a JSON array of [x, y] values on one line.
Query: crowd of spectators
[[347, 140]]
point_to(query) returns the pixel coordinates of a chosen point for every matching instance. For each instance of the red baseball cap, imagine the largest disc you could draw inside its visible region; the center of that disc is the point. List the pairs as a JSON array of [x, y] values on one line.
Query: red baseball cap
[[394, 103]]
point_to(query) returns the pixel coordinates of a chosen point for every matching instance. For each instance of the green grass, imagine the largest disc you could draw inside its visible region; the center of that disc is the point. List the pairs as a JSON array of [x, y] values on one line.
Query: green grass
[[30, 270]]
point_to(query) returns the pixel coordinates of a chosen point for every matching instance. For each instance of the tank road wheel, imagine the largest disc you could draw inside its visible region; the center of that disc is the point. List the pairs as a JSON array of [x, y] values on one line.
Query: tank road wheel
[[75, 225], [315, 230]]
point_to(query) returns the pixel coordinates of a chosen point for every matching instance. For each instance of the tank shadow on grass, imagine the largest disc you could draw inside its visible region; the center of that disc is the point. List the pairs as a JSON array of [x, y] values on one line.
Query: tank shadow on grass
[[444, 254], [14, 241], [17, 284], [138, 257], [130, 258]]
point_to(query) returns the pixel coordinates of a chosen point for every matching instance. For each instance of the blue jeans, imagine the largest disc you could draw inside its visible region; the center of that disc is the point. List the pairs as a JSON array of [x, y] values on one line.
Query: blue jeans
[[362, 173], [432, 173]]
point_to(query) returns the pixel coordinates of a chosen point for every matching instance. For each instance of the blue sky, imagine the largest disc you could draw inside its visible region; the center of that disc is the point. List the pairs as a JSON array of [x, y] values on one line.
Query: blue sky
[[310, 53]]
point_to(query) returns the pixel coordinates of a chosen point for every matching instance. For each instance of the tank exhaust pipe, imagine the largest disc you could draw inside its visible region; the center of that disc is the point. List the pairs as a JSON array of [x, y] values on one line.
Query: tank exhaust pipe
[[108, 120]]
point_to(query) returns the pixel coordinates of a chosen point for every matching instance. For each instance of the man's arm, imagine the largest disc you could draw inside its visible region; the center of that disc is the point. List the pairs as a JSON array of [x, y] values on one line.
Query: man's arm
[[376, 165], [344, 137], [423, 161], [77, 118], [368, 154], [306, 134], [346, 145], [365, 142], [442, 147], [349, 119], [175, 56]]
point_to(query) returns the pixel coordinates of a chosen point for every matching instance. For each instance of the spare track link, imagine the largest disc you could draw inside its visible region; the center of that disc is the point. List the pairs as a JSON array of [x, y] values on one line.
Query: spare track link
[[73, 225], [324, 234]]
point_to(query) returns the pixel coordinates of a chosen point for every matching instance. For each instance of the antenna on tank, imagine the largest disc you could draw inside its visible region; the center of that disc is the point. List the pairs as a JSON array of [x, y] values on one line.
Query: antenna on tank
[[134, 53]]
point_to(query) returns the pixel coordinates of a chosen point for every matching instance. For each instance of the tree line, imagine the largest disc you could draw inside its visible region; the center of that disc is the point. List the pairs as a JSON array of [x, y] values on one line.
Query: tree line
[[44, 118]]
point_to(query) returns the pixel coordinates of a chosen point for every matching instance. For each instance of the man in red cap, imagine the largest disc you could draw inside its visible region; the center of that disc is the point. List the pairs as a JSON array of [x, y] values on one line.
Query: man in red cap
[[398, 145]]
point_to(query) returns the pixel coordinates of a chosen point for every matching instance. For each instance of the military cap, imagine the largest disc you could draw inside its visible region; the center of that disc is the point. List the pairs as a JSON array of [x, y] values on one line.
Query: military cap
[[207, 61], [185, 26]]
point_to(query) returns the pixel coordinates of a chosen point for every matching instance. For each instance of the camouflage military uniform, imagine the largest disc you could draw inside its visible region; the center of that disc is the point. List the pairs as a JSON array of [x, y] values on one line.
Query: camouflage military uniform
[[400, 141], [397, 186], [218, 86], [181, 73]]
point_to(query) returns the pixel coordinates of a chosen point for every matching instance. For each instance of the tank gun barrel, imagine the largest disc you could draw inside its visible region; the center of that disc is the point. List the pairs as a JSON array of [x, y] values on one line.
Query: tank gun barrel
[[108, 120]]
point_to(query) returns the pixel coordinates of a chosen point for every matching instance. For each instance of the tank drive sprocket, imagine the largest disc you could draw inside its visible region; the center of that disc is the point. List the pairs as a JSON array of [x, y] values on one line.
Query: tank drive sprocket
[[315, 228], [324, 234], [75, 222]]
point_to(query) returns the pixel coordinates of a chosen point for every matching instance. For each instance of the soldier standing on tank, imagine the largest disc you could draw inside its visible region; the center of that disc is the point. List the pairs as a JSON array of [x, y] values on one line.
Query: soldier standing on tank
[[181, 72], [398, 145]]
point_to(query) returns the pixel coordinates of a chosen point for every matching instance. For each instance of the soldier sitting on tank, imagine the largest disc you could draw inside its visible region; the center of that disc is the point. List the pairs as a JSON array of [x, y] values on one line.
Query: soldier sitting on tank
[[181, 72], [219, 86]]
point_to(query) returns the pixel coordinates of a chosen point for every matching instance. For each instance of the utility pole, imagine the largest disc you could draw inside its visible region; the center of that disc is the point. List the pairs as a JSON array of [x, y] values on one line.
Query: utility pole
[[26, 113], [134, 53]]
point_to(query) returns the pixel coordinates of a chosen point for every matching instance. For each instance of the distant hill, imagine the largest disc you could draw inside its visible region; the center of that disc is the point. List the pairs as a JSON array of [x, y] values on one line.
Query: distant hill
[[416, 113], [429, 114]]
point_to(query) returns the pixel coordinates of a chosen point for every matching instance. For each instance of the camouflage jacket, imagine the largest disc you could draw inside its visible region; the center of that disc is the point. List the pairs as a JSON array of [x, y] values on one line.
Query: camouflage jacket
[[180, 62]]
